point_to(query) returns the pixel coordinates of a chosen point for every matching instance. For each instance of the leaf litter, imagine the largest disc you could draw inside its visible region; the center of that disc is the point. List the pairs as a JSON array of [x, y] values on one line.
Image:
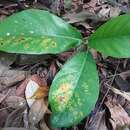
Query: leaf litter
[[16, 73]]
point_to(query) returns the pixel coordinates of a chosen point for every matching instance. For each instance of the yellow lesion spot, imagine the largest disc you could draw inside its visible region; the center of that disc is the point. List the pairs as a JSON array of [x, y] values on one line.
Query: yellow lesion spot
[[63, 95], [78, 115], [45, 42], [53, 44], [19, 39], [48, 42], [85, 88], [26, 46], [81, 114], [65, 87], [1, 41]]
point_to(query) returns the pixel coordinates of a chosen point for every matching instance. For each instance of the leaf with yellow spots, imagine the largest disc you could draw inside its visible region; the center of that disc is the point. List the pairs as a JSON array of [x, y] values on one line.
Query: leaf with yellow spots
[[36, 31], [74, 91]]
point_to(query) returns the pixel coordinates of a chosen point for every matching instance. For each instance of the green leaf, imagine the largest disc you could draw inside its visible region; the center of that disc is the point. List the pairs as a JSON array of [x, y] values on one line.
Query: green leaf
[[74, 91], [113, 38], [36, 31]]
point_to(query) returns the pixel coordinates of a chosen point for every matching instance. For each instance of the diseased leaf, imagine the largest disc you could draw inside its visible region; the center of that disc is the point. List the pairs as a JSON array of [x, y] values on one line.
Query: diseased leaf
[[36, 31], [74, 91], [113, 38]]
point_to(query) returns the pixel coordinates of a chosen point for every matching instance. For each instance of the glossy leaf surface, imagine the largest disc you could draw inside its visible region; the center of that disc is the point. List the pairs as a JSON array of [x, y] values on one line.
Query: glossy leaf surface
[[113, 38], [36, 31], [74, 91]]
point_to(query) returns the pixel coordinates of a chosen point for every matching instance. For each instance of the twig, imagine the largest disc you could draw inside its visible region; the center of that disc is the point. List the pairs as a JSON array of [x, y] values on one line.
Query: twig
[[108, 88], [5, 108]]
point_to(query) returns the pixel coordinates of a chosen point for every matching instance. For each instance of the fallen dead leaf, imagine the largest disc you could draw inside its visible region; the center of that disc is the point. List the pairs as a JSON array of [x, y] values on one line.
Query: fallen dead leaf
[[34, 91], [43, 125], [122, 84], [3, 116], [13, 128], [15, 118], [125, 74], [10, 77], [126, 95], [123, 128], [104, 12], [98, 122], [37, 111], [15, 101], [21, 89], [119, 117], [115, 11], [79, 17], [3, 97]]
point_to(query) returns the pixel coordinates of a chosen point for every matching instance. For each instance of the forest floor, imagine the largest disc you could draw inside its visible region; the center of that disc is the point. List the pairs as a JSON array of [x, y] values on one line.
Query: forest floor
[[112, 110]]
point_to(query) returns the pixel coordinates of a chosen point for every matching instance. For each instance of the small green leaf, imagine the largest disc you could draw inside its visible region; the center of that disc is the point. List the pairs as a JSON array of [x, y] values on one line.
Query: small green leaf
[[74, 91], [113, 38], [36, 31]]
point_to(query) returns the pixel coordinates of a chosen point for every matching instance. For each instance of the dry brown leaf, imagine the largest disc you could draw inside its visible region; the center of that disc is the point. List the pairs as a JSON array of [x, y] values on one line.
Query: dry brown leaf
[[98, 122], [114, 11], [13, 128], [41, 82], [15, 118], [119, 117], [40, 93], [10, 77], [37, 111], [21, 89], [15, 101], [79, 17], [126, 95], [104, 12], [123, 128], [125, 74], [43, 125], [122, 84], [3, 116], [3, 97], [35, 89]]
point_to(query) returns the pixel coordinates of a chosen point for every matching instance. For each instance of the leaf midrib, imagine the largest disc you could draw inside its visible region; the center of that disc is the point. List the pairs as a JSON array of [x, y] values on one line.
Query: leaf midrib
[[81, 70], [93, 37], [58, 36]]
